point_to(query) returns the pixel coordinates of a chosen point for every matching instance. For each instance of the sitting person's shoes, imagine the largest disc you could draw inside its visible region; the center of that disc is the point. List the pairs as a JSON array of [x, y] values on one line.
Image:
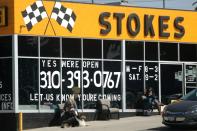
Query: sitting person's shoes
[[62, 125]]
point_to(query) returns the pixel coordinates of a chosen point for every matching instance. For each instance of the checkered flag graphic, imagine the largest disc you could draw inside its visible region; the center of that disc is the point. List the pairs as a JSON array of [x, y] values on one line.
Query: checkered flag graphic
[[34, 14], [64, 16]]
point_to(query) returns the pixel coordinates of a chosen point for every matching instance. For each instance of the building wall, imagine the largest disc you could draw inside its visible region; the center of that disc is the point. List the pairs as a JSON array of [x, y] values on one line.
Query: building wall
[[48, 62], [124, 22]]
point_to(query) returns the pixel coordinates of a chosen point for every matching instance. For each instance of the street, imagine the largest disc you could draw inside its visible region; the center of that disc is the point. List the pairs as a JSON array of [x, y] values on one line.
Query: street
[[136, 123]]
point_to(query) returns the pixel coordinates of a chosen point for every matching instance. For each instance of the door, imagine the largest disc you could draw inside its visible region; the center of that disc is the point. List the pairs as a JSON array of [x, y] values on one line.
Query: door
[[171, 82]]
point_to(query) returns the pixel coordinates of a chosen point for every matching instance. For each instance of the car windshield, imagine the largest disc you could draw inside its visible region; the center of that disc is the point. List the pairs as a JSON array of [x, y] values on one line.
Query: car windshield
[[191, 96]]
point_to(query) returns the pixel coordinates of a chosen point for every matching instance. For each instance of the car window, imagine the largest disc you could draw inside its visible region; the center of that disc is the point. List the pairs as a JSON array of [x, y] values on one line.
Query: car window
[[191, 96]]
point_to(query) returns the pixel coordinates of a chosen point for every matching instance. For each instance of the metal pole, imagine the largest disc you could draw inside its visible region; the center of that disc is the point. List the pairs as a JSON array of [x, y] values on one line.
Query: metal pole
[[20, 121], [164, 4], [92, 1]]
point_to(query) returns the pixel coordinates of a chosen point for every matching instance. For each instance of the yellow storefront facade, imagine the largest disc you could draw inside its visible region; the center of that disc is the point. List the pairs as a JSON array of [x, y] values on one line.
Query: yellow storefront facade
[[51, 50]]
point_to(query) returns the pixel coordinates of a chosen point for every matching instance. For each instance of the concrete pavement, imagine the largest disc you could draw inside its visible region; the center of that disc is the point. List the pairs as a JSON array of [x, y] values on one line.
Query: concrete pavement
[[135, 123]]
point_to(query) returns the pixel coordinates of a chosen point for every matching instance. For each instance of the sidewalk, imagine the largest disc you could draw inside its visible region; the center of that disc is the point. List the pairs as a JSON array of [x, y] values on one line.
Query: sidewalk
[[136, 123]]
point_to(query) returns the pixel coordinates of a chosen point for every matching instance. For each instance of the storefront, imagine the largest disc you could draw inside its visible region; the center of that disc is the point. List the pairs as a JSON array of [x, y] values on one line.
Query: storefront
[[50, 50]]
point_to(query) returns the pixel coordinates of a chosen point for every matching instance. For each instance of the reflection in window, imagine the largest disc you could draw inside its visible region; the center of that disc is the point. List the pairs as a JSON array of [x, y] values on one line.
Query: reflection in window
[[6, 84], [49, 47], [112, 82], [28, 84], [188, 52], [5, 46], [134, 83], [151, 50], [134, 50], [169, 51], [71, 48], [91, 48], [112, 49], [27, 46]]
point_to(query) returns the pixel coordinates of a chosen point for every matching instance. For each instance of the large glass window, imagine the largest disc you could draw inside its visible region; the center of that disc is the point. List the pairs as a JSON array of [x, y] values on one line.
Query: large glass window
[[112, 49], [71, 48], [168, 51], [28, 46], [188, 52], [58, 78], [134, 83], [151, 51], [28, 84], [92, 83], [92, 48], [5, 46], [49, 47], [6, 96], [134, 50], [112, 82]]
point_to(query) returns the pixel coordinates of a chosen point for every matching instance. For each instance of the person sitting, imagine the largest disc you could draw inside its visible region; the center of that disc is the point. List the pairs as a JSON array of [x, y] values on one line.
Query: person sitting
[[150, 102], [70, 115]]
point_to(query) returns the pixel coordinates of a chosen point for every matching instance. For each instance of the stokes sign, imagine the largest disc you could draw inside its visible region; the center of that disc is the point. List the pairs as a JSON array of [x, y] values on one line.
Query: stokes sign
[[133, 24]]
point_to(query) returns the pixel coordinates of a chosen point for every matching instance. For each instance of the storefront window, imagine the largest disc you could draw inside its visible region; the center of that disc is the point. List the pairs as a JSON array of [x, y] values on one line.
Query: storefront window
[[168, 51], [28, 46], [71, 80], [188, 52], [134, 50], [61, 77], [71, 48], [92, 48], [5, 46], [28, 84], [49, 47], [92, 83], [151, 51], [6, 92], [50, 83], [134, 83], [112, 49]]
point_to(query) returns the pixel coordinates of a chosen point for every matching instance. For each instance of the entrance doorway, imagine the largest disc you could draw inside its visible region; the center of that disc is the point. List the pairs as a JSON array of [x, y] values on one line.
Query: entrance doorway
[[171, 82]]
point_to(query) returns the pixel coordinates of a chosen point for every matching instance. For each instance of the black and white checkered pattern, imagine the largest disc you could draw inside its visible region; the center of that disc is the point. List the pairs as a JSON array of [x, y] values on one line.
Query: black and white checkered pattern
[[64, 16], [34, 14]]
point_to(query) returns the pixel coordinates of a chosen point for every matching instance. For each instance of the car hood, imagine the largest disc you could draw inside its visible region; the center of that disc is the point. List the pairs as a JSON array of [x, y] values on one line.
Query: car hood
[[181, 106]]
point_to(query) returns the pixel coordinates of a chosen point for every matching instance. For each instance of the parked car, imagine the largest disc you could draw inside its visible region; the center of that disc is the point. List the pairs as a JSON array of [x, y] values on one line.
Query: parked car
[[182, 112]]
